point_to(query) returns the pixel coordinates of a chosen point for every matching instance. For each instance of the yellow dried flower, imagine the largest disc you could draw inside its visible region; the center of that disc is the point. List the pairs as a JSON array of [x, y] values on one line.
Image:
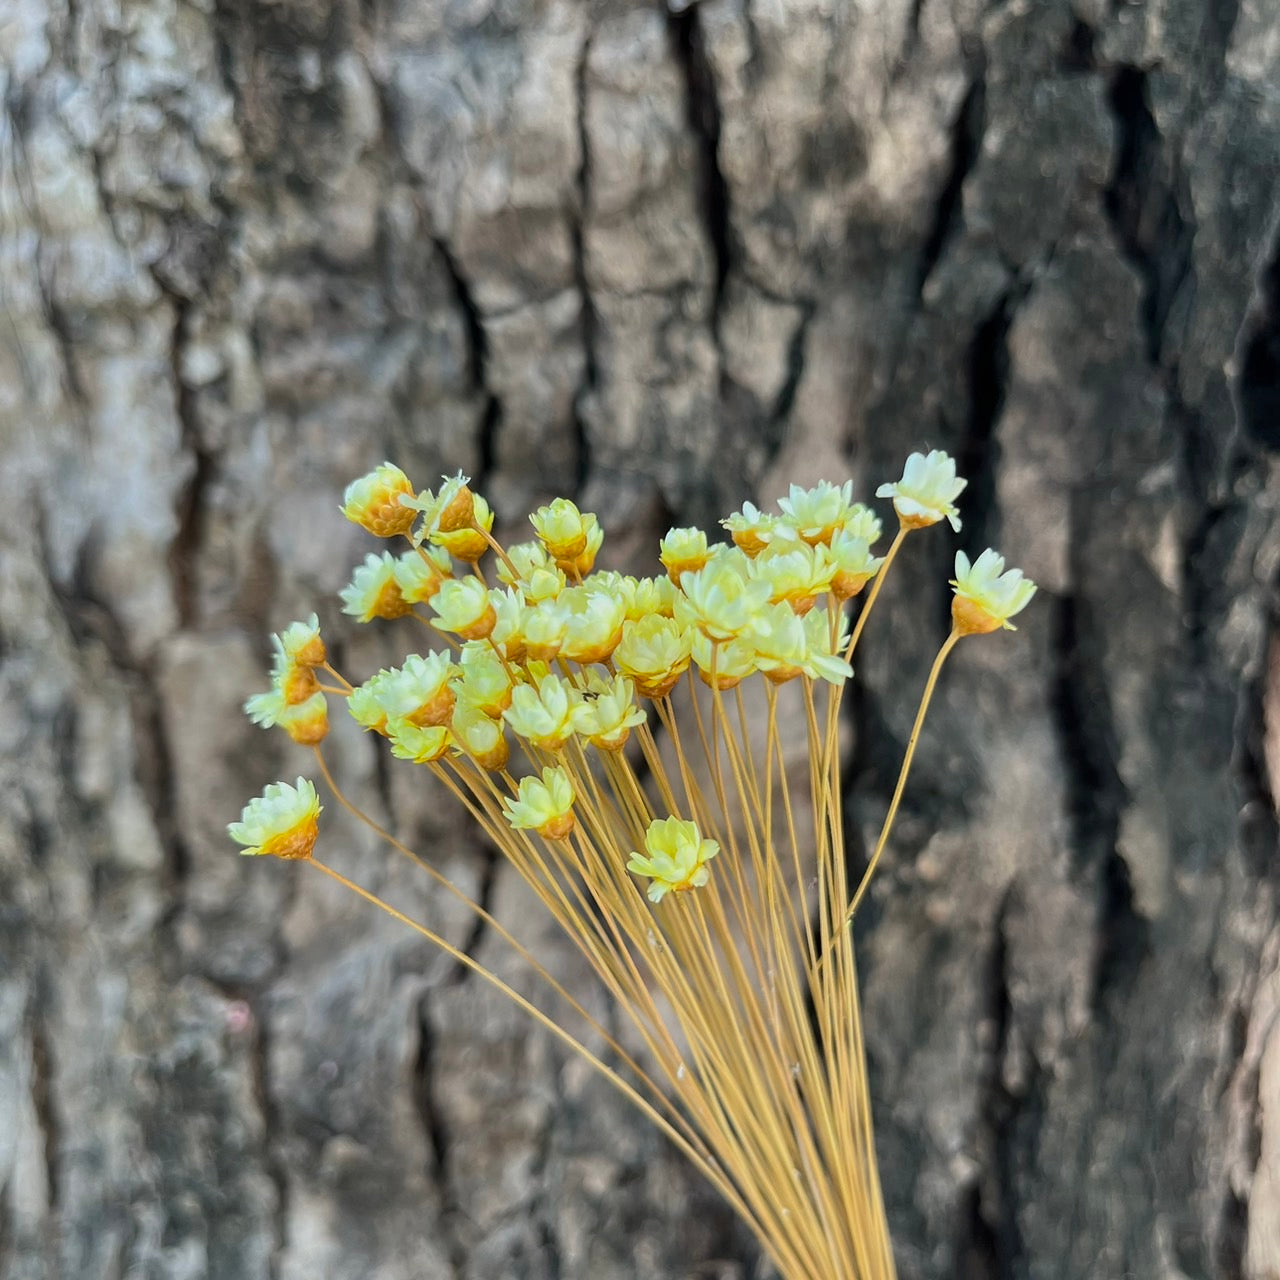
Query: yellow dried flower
[[467, 543], [542, 713], [816, 514], [300, 645], [282, 822], [751, 529], [413, 742], [722, 598], [593, 624], [927, 491], [374, 591], [723, 663], [364, 705], [986, 596], [683, 551], [655, 653], [797, 573], [561, 528], [544, 806], [374, 502], [478, 736], [607, 718], [463, 606], [486, 684], [545, 627], [675, 857], [420, 691], [854, 564], [420, 572]]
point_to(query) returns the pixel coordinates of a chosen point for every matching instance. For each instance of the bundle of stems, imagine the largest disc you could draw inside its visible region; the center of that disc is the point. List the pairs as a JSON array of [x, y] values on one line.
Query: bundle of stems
[[643, 760]]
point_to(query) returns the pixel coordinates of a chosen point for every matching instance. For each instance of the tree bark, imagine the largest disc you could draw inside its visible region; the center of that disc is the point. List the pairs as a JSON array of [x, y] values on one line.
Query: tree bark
[[660, 260]]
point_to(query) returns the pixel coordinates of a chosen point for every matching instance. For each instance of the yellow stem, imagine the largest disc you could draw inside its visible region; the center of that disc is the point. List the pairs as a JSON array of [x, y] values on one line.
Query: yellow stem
[[874, 593]]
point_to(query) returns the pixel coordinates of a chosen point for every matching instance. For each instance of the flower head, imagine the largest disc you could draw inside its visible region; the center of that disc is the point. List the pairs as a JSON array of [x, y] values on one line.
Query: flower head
[[593, 623], [469, 542], [723, 598], [420, 572], [562, 529], [300, 645], [750, 529], [675, 857], [797, 572], [414, 742], [478, 736], [654, 652], [374, 591], [855, 566], [986, 595], [463, 606], [722, 664], [683, 551], [607, 718], [544, 806], [927, 491], [486, 683], [817, 514], [373, 502], [365, 705], [420, 691], [282, 821], [305, 721], [542, 713]]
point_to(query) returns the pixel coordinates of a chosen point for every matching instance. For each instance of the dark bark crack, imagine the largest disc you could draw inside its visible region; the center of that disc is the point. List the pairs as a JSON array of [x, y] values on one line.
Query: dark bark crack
[[437, 1135], [966, 144], [483, 898], [477, 363], [702, 104], [1096, 794]]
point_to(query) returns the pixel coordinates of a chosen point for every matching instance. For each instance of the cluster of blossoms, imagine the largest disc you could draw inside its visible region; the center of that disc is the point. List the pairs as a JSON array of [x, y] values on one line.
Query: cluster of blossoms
[[558, 656]]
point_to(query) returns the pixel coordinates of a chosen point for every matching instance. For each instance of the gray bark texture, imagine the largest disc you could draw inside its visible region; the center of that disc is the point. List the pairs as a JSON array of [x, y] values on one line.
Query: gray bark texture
[[660, 260]]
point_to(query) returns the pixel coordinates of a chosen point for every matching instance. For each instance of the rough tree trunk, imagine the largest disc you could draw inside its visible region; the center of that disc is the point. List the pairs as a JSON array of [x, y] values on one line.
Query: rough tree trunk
[[662, 261]]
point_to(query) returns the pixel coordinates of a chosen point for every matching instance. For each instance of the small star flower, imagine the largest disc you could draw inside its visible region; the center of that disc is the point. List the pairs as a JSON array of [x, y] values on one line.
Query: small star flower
[[544, 806], [414, 742], [542, 713], [986, 595], [927, 491], [419, 573], [562, 529], [607, 718], [420, 691], [855, 565], [674, 859], [300, 644], [463, 606], [281, 822], [816, 514], [478, 736], [722, 599], [751, 529]]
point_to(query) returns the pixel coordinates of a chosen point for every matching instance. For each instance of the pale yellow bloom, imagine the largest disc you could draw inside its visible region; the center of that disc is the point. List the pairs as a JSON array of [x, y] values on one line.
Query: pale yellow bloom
[[607, 718], [544, 806], [454, 505], [542, 713], [862, 522], [510, 616], [478, 736], [463, 606], [562, 529], [545, 627], [797, 573], [751, 529], [374, 502], [654, 652], [306, 722], [582, 564], [486, 684], [855, 566], [281, 822], [420, 691], [364, 705], [675, 857], [721, 599], [817, 514], [543, 584], [593, 624], [927, 491], [420, 572], [986, 596], [414, 742], [525, 557], [723, 664], [683, 551], [468, 542], [300, 643], [374, 591], [822, 658]]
